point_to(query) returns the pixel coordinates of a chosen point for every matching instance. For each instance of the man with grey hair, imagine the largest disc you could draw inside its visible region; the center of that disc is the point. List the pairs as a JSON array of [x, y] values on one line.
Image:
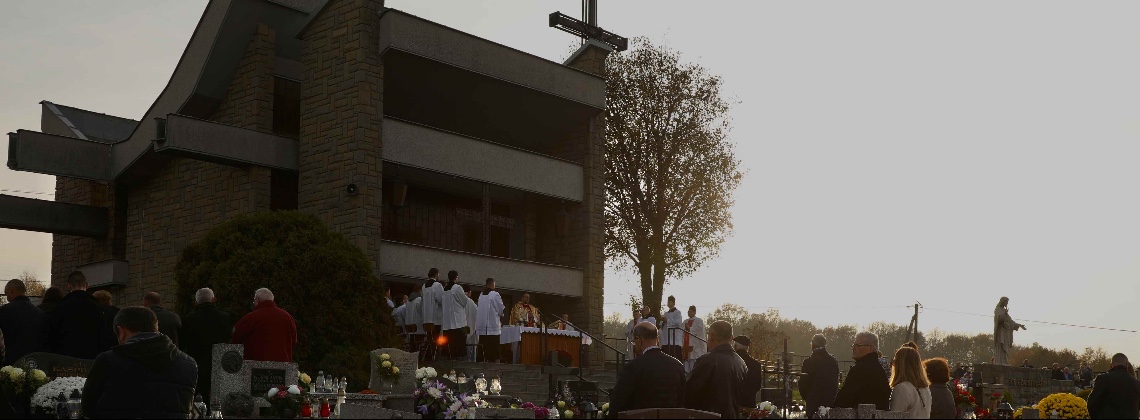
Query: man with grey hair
[[201, 329], [820, 379], [268, 333], [866, 381]]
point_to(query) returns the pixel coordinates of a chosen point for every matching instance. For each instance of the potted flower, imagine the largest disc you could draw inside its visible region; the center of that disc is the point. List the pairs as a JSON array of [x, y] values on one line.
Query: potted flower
[[284, 403], [44, 400], [19, 384], [389, 373]]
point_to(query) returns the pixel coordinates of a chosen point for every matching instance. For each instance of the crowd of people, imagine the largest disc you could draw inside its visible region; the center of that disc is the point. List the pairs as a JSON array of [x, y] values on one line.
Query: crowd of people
[[149, 362], [724, 381]]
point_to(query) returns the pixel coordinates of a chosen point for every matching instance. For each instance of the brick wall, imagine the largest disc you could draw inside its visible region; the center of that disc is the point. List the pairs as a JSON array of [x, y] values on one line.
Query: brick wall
[[587, 145], [341, 111], [69, 252]]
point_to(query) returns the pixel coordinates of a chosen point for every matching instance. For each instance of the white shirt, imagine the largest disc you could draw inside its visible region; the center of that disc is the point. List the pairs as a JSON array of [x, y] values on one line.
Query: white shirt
[[390, 303], [673, 320], [454, 308], [472, 317], [490, 311], [414, 315], [433, 304], [398, 315]]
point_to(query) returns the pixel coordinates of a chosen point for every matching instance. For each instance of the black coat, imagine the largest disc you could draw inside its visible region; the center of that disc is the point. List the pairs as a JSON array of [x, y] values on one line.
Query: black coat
[[168, 322], [1057, 375], [22, 323], [754, 380], [866, 383], [201, 329], [1115, 395], [147, 377], [820, 380], [717, 383], [653, 380], [78, 327]]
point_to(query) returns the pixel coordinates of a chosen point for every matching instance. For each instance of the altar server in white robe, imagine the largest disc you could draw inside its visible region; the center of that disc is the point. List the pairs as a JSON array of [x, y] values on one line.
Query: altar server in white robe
[[398, 315], [472, 321], [629, 353], [691, 346], [674, 334], [455, 317], [488, 324], [432, 305], [414, 320]]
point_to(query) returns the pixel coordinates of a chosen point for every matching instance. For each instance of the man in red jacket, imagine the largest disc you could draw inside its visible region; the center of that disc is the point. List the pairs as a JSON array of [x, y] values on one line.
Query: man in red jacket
[[268, 333]]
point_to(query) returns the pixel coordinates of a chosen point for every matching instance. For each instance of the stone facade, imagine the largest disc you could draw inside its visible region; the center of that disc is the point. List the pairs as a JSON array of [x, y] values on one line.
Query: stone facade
[[341, 111]]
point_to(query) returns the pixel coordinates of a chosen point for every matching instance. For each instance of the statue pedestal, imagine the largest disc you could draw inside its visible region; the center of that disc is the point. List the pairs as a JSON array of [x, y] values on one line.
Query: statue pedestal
[[1026, 386]]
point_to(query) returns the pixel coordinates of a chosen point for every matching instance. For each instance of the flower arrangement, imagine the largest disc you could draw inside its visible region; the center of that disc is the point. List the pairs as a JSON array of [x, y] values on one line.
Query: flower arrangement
[[762, 410], [540, 412], [1064, 405], [18, 382], [285, 402], [963, 401], [44, 399], [605, 412], [1020, 410], [387, 369], [463, 407], [430, 397], [567, 410], [426, 373]]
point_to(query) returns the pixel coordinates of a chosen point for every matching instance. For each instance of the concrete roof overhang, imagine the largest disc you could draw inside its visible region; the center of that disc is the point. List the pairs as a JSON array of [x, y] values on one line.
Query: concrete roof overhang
[[444, 78]]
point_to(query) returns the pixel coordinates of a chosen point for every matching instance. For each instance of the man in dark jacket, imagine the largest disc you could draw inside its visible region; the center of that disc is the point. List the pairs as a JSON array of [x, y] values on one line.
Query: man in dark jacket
[[717, 382], [169, 323], [866, 381], [754, 380], [652, 380], [144, 377], [20, 321], [1116, 394], [268, 333], [201, 329], [77, 327], [820, 379]]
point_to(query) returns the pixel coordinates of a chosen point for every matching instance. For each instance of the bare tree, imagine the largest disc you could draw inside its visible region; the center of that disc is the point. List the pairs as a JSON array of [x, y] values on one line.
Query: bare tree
[[32, 283], [670, 169]]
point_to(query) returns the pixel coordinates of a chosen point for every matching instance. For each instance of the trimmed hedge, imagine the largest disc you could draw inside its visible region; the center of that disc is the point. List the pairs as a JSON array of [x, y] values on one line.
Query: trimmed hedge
[[317, 275]]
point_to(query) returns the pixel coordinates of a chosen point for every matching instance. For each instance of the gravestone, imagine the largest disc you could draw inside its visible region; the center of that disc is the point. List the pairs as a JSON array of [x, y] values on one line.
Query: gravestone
[[258, 377], [407, 362], [503, 413], [357, 411], [585, 391], [56, 366], [226, 374]]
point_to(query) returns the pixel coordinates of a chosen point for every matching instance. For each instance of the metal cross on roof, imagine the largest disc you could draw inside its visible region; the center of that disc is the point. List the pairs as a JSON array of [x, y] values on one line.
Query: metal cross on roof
[[588, 28]]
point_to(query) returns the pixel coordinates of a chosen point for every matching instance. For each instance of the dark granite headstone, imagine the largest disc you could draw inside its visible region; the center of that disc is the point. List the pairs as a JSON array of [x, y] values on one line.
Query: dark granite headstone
[[585, 391], [56, 366], [262, 380]]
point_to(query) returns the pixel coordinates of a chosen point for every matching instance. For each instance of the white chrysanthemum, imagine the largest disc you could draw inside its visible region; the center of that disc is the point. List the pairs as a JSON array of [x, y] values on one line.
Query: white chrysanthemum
[[44, 398], [434, 393], [6, 369], [293, 389]]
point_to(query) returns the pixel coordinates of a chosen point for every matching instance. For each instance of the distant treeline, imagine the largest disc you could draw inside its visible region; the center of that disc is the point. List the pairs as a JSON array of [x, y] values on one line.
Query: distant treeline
[[768, 331]]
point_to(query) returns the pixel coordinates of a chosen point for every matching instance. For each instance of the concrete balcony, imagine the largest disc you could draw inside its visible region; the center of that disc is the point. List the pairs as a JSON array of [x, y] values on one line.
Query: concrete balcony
[[52, 217], [413, 261], [224, 144], [440, 151], [109, 273]]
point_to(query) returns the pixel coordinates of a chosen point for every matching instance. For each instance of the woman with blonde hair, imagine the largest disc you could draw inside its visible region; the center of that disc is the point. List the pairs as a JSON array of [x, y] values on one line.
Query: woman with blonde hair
[[910, 388]]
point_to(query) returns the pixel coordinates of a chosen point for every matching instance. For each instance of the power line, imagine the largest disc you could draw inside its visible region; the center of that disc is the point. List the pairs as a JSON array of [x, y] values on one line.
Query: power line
[[1040, 322]]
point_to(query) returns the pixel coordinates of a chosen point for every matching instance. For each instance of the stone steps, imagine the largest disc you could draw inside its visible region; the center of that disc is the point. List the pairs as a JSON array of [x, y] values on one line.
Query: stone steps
[[527, 383]]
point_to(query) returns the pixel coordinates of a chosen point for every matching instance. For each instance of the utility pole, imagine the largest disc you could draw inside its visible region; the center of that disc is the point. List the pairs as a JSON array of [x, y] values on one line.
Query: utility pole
[[912, 330]]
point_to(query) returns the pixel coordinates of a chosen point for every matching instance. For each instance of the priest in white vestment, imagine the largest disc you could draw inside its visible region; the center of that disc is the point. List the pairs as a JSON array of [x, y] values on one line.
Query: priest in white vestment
[[414, 320], [487, 322], [472, 321], [455, 317], [432, 312], [629, 354], [674, 334], [692, 348], [398, 316]]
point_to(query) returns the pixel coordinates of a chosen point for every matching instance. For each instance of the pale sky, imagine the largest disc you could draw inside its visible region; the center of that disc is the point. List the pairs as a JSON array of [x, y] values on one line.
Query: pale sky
[[945, 152]]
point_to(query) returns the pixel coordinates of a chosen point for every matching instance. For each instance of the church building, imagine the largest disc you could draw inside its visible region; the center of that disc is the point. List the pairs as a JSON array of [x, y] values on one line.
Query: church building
[[424, 145]]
